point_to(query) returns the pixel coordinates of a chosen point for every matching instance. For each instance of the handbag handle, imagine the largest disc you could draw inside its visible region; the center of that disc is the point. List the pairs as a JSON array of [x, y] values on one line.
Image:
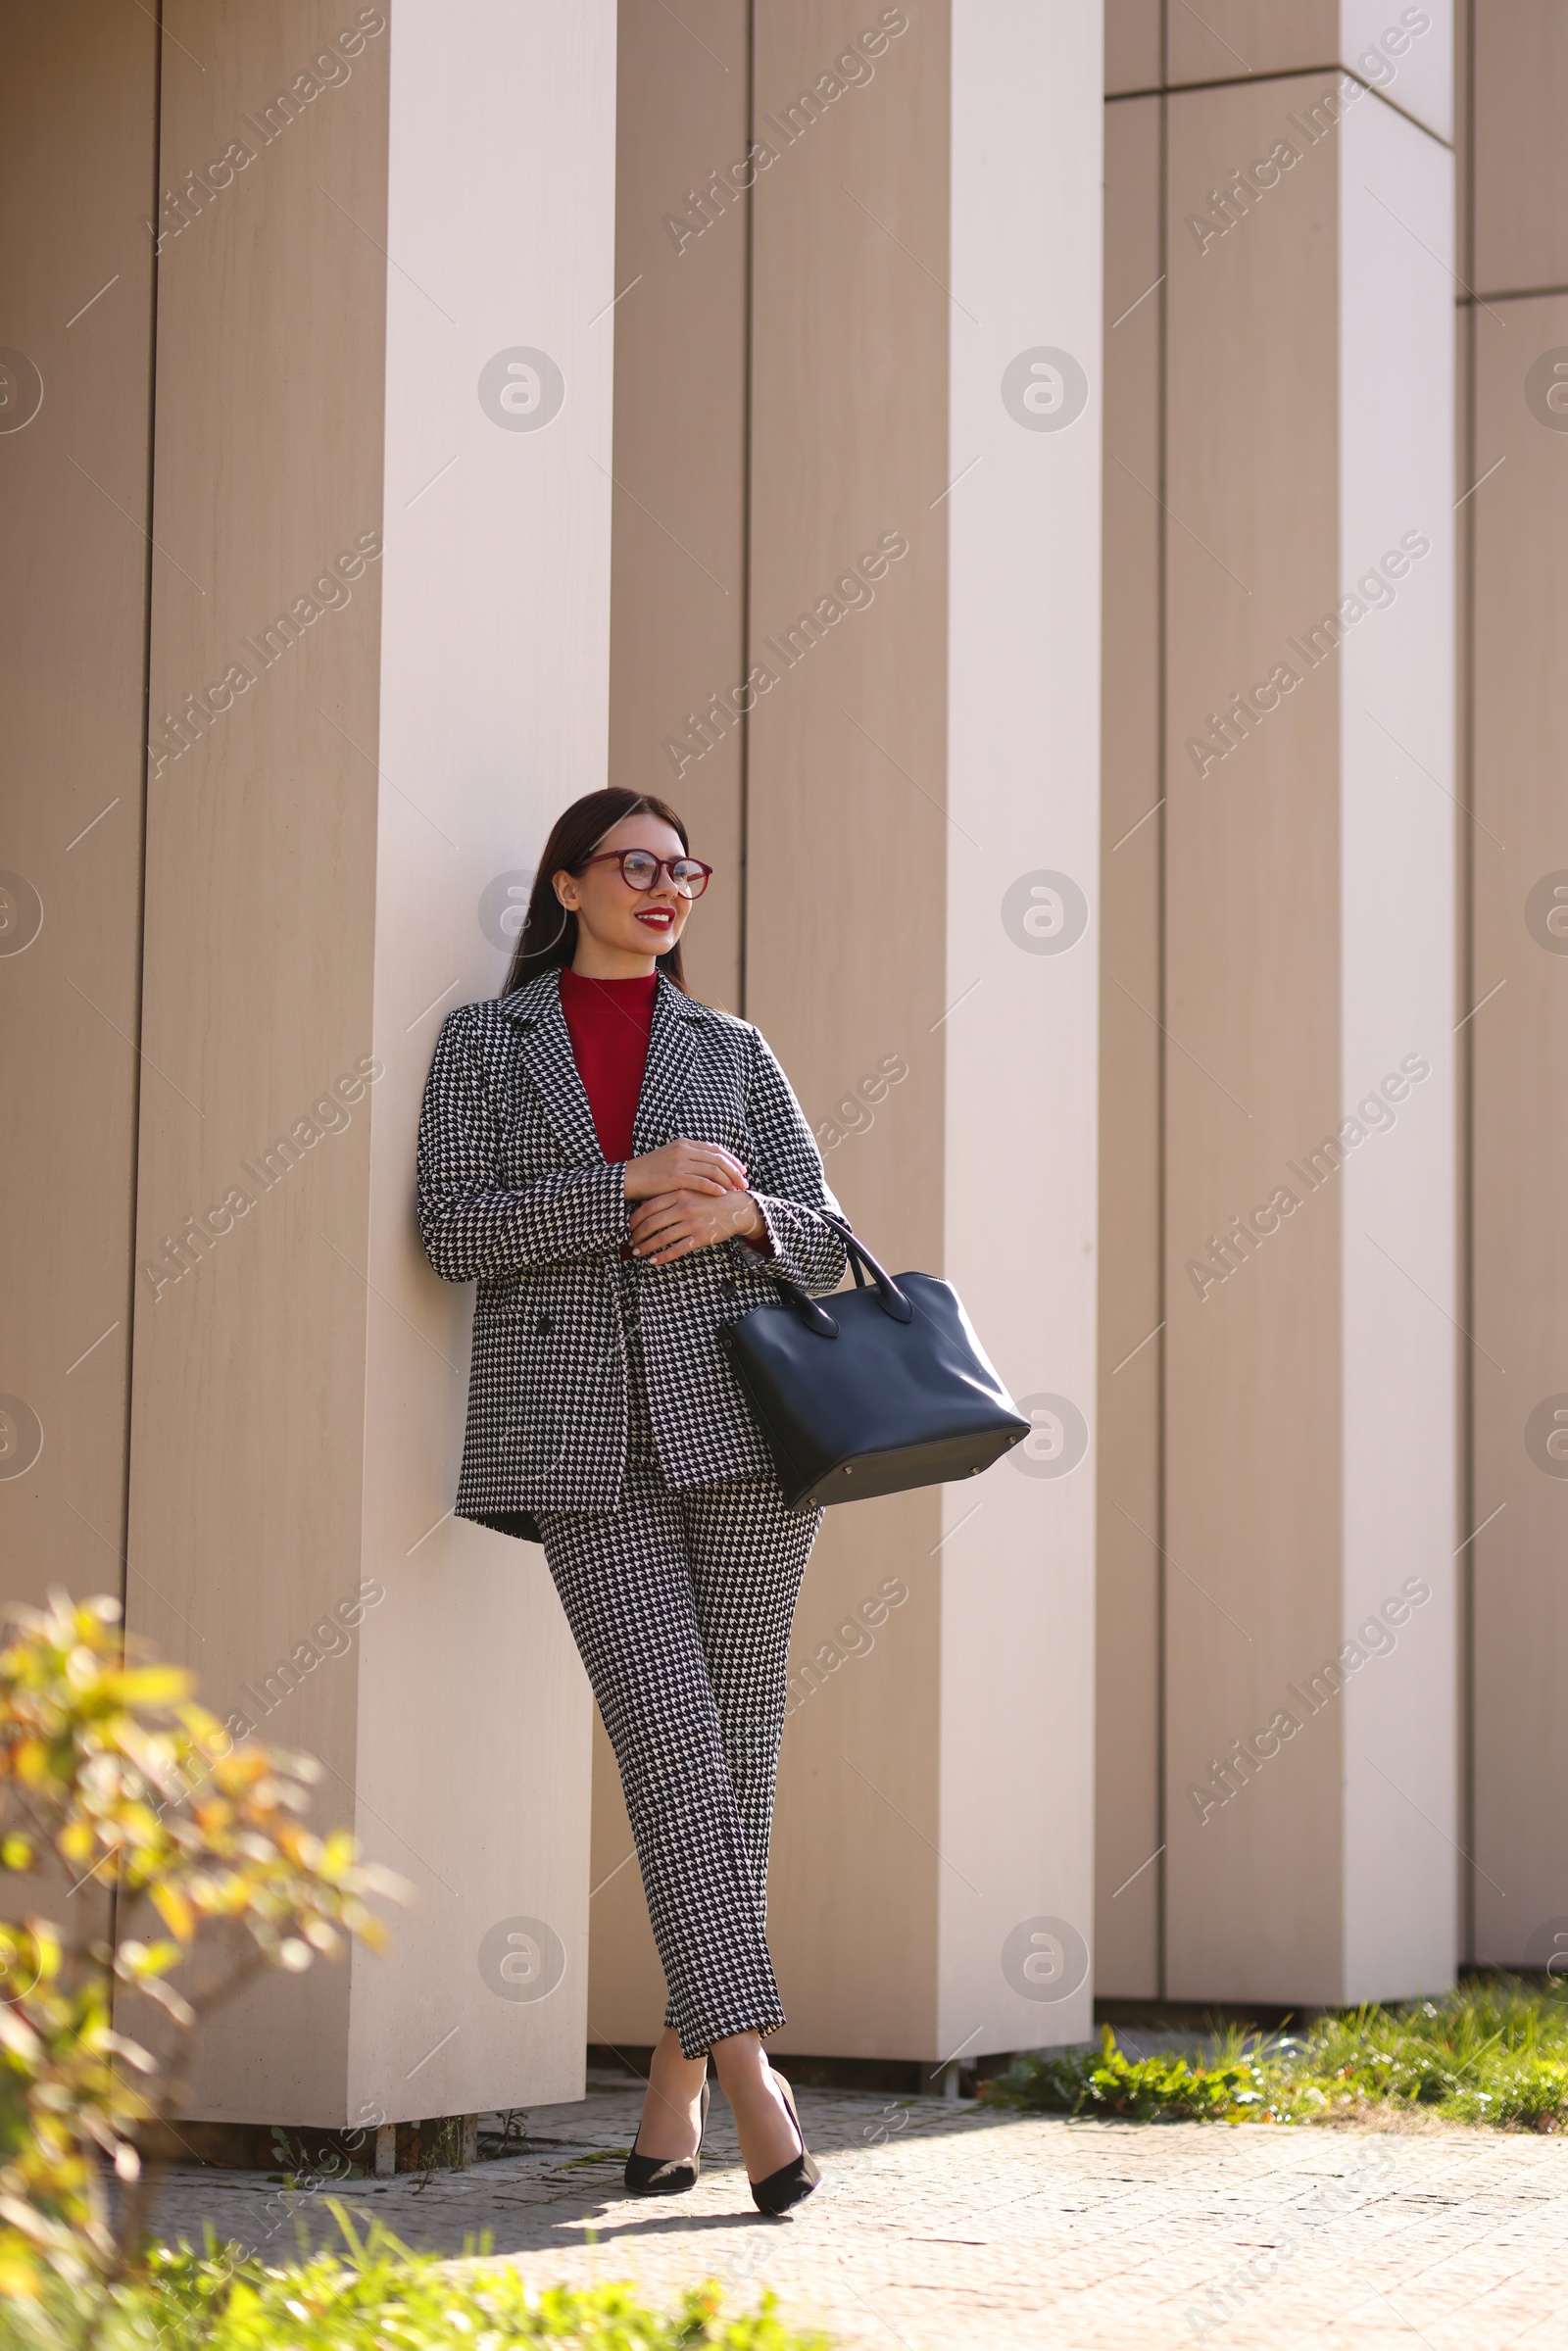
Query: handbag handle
[[815, 1315], [889, 1296]]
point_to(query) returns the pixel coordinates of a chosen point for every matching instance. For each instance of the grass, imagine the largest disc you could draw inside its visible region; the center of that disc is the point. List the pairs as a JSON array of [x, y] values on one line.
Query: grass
[[374, 2294], [1494, 2052]]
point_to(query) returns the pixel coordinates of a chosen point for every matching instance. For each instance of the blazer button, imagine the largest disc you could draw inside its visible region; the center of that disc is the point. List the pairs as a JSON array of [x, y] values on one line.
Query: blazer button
[[544, 1326], [727, 1287]]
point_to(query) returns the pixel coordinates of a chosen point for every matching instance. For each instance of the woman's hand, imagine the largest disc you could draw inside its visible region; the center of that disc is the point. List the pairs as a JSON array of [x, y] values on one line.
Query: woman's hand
[[683, 1166], [672, 1224]]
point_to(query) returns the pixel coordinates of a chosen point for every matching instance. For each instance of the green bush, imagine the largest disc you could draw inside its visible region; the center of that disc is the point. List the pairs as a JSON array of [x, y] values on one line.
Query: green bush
[[1230, 2086], [1532, 2094], [1494, 2052], [375, 2294], [112, 1777]]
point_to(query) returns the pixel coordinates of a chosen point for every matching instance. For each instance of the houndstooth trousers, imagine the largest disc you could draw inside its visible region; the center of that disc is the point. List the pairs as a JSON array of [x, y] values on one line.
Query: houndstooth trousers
[[681, 1607]]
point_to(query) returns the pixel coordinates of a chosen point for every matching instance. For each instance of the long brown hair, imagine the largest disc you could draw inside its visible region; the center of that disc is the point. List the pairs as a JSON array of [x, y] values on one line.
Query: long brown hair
[[547, 939]]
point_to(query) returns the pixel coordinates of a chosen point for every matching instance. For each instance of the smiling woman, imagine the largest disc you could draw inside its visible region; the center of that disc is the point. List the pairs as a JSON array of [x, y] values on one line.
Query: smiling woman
[[623, 1170]]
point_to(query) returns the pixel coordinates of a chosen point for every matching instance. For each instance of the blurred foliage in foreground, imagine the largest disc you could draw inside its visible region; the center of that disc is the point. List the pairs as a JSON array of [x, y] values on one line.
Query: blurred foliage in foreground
[[374, 2293], [1493, 2053], [166, 1867]]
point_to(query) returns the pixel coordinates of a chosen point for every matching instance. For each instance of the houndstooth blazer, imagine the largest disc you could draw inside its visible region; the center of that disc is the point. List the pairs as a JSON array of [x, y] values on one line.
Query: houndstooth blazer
[[513, 1192]]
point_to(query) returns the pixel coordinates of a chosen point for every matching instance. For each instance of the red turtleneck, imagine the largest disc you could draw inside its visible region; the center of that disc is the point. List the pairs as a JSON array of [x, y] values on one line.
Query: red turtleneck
[[608, 1022]]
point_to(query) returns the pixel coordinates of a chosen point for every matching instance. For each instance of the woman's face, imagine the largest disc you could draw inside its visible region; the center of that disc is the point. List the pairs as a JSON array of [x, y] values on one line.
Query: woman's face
[[615, 916]]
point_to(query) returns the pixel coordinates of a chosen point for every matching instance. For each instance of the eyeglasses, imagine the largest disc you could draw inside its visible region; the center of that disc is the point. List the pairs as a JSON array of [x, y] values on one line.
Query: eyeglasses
[[640, 869]]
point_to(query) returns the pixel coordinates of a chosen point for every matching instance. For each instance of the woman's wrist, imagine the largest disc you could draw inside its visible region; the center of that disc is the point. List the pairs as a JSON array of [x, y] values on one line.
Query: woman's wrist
[[755, 1227], [756, 1234]]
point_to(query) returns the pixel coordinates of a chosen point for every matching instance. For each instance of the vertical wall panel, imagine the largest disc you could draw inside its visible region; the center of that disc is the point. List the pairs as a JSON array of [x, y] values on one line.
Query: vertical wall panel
[[678, 595], [1023, 1055], [1133, 42], [1398, 911], [494, 713], [76, 392], [1518, 854], [1520, 1126], [412, 599], [678, 610], [1128, 1811], [248, 1422], [847, 851], [1310, 1425], [1229, 39], [1252, 1077], [1521, 104]]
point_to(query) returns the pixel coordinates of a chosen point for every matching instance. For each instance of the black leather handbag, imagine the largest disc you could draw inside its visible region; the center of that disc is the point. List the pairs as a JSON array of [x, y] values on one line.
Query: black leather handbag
[[879, 1387]]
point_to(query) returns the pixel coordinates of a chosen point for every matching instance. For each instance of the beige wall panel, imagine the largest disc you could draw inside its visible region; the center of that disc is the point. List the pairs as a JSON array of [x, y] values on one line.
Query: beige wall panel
[[1251, 1442], [679, 590], [1022, 1091], [1520, 1137], [845, 958], [248, 1431], [1127, 1790], [77, 159], [1521, 155], [677, 607], [1231, 37], [1398, 982], [1133, 44], [494, 690]]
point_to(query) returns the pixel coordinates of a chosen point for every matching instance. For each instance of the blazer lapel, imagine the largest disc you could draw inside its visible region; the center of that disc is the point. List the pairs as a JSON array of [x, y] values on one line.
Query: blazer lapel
[[672, 1050], [546, 1043]]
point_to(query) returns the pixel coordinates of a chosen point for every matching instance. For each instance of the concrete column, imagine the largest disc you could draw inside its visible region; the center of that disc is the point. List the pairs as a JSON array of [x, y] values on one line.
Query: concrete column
[[917, 546], [380, 665], [934, 1814], [850, 447], [1022, 1077], [679, 603], [1515, 335], [1303, 1599]]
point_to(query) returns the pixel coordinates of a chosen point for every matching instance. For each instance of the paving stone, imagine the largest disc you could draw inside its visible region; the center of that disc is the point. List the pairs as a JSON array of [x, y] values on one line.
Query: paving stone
[[943, 2227]]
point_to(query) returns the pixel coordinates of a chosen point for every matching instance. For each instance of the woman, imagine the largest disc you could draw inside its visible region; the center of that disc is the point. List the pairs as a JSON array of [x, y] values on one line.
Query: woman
[[623, 1170]]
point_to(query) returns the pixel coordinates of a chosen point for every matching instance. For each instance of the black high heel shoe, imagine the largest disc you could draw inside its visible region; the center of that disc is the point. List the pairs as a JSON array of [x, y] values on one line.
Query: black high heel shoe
[[667, 2175], [793, 2180]]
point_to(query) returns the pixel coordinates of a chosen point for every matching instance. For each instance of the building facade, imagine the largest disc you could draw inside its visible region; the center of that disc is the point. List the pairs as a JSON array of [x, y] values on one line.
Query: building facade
[[1067, 506]]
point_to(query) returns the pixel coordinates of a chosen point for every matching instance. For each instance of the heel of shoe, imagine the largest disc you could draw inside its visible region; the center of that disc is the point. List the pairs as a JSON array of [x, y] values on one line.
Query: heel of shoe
[[671, 2174], [794, 2181]]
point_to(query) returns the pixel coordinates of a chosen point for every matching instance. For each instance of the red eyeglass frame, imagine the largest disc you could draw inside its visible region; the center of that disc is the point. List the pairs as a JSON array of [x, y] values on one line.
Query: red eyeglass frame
[[661, 865]]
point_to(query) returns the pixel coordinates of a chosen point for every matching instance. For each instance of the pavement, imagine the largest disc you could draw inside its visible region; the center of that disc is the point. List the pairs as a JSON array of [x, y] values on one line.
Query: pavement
[[942, 2226]]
